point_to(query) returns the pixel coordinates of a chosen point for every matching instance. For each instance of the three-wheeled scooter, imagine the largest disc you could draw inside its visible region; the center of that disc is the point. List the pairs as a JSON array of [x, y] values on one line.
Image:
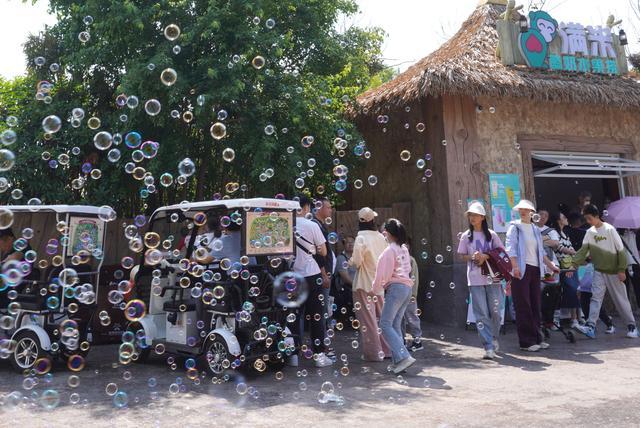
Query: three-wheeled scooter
[[48, 294], [210, 295]]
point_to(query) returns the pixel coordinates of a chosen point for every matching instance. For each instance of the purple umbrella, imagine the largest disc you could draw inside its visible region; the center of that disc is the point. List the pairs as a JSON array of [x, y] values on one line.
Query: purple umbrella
[[625, 213]]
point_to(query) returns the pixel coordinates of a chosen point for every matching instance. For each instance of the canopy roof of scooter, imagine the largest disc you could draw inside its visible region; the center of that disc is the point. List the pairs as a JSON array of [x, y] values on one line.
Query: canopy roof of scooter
[[231, 204]]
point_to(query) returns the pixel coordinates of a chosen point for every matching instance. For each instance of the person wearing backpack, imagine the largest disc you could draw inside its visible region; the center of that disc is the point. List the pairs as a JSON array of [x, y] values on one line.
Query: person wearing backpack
[[528, 260], [551, 291], [310, 245], [486, 295]]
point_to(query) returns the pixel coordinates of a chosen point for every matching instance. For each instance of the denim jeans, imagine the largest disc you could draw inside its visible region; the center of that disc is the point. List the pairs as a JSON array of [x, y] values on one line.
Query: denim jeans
[[486, 301], [396, 299]]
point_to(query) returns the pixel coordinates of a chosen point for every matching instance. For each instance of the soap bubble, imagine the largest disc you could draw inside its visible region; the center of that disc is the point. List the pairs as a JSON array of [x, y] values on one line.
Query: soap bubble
[[171, 32], [372, 180], [103, 140], [291, 289], [51, 124], [186, 167], [7, 160], [168, 76], [258, 62], [152, 107], [228, 154], [218, 131], [84, 36], [405, 155]]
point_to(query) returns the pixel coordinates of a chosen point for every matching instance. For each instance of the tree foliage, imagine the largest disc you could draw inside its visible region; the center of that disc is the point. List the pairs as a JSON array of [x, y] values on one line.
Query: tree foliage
[[311, 73]]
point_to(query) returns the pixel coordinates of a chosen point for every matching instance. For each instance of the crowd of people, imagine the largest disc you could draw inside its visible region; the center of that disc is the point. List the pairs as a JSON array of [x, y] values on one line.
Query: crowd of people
[[564, 260], [549, 262]]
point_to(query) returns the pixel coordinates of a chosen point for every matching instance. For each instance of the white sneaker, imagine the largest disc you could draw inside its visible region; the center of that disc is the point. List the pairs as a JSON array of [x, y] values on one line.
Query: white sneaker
[[532, 348], [489, 354], [323, 360], [496, 346], [403, 365], [544, 345], [633, 332], [574, 323], [292, 360], [610, 330]]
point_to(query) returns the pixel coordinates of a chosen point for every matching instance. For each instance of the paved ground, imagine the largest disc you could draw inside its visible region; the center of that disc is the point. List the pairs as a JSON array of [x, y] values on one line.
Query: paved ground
[[590, 383]]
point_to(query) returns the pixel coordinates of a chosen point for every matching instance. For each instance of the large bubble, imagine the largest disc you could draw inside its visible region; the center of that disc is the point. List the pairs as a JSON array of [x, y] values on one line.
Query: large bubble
[[291, 289], [103, 140], [51, 124]]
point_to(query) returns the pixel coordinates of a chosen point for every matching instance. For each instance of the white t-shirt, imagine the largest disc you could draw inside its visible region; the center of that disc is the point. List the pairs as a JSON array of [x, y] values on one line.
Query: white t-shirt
[[305, 265], [530, 245]]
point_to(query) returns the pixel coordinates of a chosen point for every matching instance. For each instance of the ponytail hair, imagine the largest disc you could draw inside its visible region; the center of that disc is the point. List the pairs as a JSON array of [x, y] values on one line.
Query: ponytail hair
[[397, 230]]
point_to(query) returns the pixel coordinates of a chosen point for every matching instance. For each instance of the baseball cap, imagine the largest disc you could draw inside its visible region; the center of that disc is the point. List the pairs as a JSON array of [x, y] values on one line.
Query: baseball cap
[[367, 215]]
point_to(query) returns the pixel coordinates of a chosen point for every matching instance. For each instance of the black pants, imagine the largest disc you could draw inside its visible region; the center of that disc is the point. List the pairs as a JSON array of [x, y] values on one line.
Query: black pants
[[551, 295], [314, 308], [634, 281], [585, 302]]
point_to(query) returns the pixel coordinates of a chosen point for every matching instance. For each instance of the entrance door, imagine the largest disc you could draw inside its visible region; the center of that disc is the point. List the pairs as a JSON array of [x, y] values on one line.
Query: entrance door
[[560, 177]]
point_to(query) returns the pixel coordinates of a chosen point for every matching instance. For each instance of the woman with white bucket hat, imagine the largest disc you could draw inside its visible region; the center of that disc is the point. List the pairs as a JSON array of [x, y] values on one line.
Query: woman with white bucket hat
[[525, 248], [486, 295]]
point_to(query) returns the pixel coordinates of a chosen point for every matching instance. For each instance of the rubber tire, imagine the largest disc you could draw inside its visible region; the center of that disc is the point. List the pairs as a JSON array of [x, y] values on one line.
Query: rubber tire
[[222, 347], [39, 354]]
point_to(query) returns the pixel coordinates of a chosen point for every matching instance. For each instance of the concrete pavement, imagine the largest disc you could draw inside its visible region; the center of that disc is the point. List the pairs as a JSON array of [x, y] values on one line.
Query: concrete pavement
[[589, 383]]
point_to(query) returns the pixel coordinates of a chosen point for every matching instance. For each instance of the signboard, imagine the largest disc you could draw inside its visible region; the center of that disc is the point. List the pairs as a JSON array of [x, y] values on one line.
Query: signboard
[[85, 233], [269, 233], [505, 194], [568, 47]]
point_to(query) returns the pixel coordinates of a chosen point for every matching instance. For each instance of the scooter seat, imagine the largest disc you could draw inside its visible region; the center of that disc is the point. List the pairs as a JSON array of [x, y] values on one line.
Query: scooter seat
[[180, 306]]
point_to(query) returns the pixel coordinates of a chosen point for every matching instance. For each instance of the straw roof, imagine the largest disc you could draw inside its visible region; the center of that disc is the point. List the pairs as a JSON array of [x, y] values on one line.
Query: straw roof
[[467, 65]]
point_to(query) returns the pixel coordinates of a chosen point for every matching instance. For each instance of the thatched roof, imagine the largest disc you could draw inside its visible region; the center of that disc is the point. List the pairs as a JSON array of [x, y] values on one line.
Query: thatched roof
[[467, 65]]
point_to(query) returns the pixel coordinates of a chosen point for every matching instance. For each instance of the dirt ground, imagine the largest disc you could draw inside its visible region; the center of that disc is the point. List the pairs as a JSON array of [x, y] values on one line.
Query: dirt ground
[[589, 383]]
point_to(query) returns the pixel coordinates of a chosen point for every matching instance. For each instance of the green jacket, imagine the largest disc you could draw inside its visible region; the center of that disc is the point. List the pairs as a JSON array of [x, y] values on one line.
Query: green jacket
[[605, 248]]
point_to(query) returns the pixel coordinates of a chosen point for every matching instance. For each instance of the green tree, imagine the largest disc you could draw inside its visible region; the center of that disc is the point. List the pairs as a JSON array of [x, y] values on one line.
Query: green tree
[[311, 73]]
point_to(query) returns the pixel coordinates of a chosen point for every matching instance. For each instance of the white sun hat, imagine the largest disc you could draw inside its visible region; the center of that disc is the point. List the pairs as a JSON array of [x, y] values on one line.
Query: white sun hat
[[525, 205], [476, 208]]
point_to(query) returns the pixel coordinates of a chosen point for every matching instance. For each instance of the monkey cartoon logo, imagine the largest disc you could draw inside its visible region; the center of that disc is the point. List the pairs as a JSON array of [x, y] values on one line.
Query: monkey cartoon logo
[[534, 44]]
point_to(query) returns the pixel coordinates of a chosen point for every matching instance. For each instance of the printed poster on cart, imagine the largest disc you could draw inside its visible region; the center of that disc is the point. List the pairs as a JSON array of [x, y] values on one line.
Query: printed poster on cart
[[504, 191], [85, 233]]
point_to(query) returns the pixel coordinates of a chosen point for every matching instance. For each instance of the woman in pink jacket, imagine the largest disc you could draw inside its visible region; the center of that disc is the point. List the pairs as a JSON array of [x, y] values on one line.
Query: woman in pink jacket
[[393, 274]]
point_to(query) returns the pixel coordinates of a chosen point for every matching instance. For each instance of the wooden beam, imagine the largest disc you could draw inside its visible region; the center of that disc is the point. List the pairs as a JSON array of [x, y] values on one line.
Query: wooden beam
[[565, 143], [465, 177]]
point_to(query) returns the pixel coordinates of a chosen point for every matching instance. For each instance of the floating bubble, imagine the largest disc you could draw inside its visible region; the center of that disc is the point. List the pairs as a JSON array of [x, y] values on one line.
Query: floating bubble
[[218, 131], [168, 77], [50, 399], [439, 258], [420, 127], [405, 155], [51, 124], [120, 399], [186, 167], [8, 137], [372, 180], [258, 62], [270, 23], [94, 123], [6, 218], [291, 289], [103, 140], [152, 107], [135, 310], [228, 154], [171, 32], [84, 36]]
